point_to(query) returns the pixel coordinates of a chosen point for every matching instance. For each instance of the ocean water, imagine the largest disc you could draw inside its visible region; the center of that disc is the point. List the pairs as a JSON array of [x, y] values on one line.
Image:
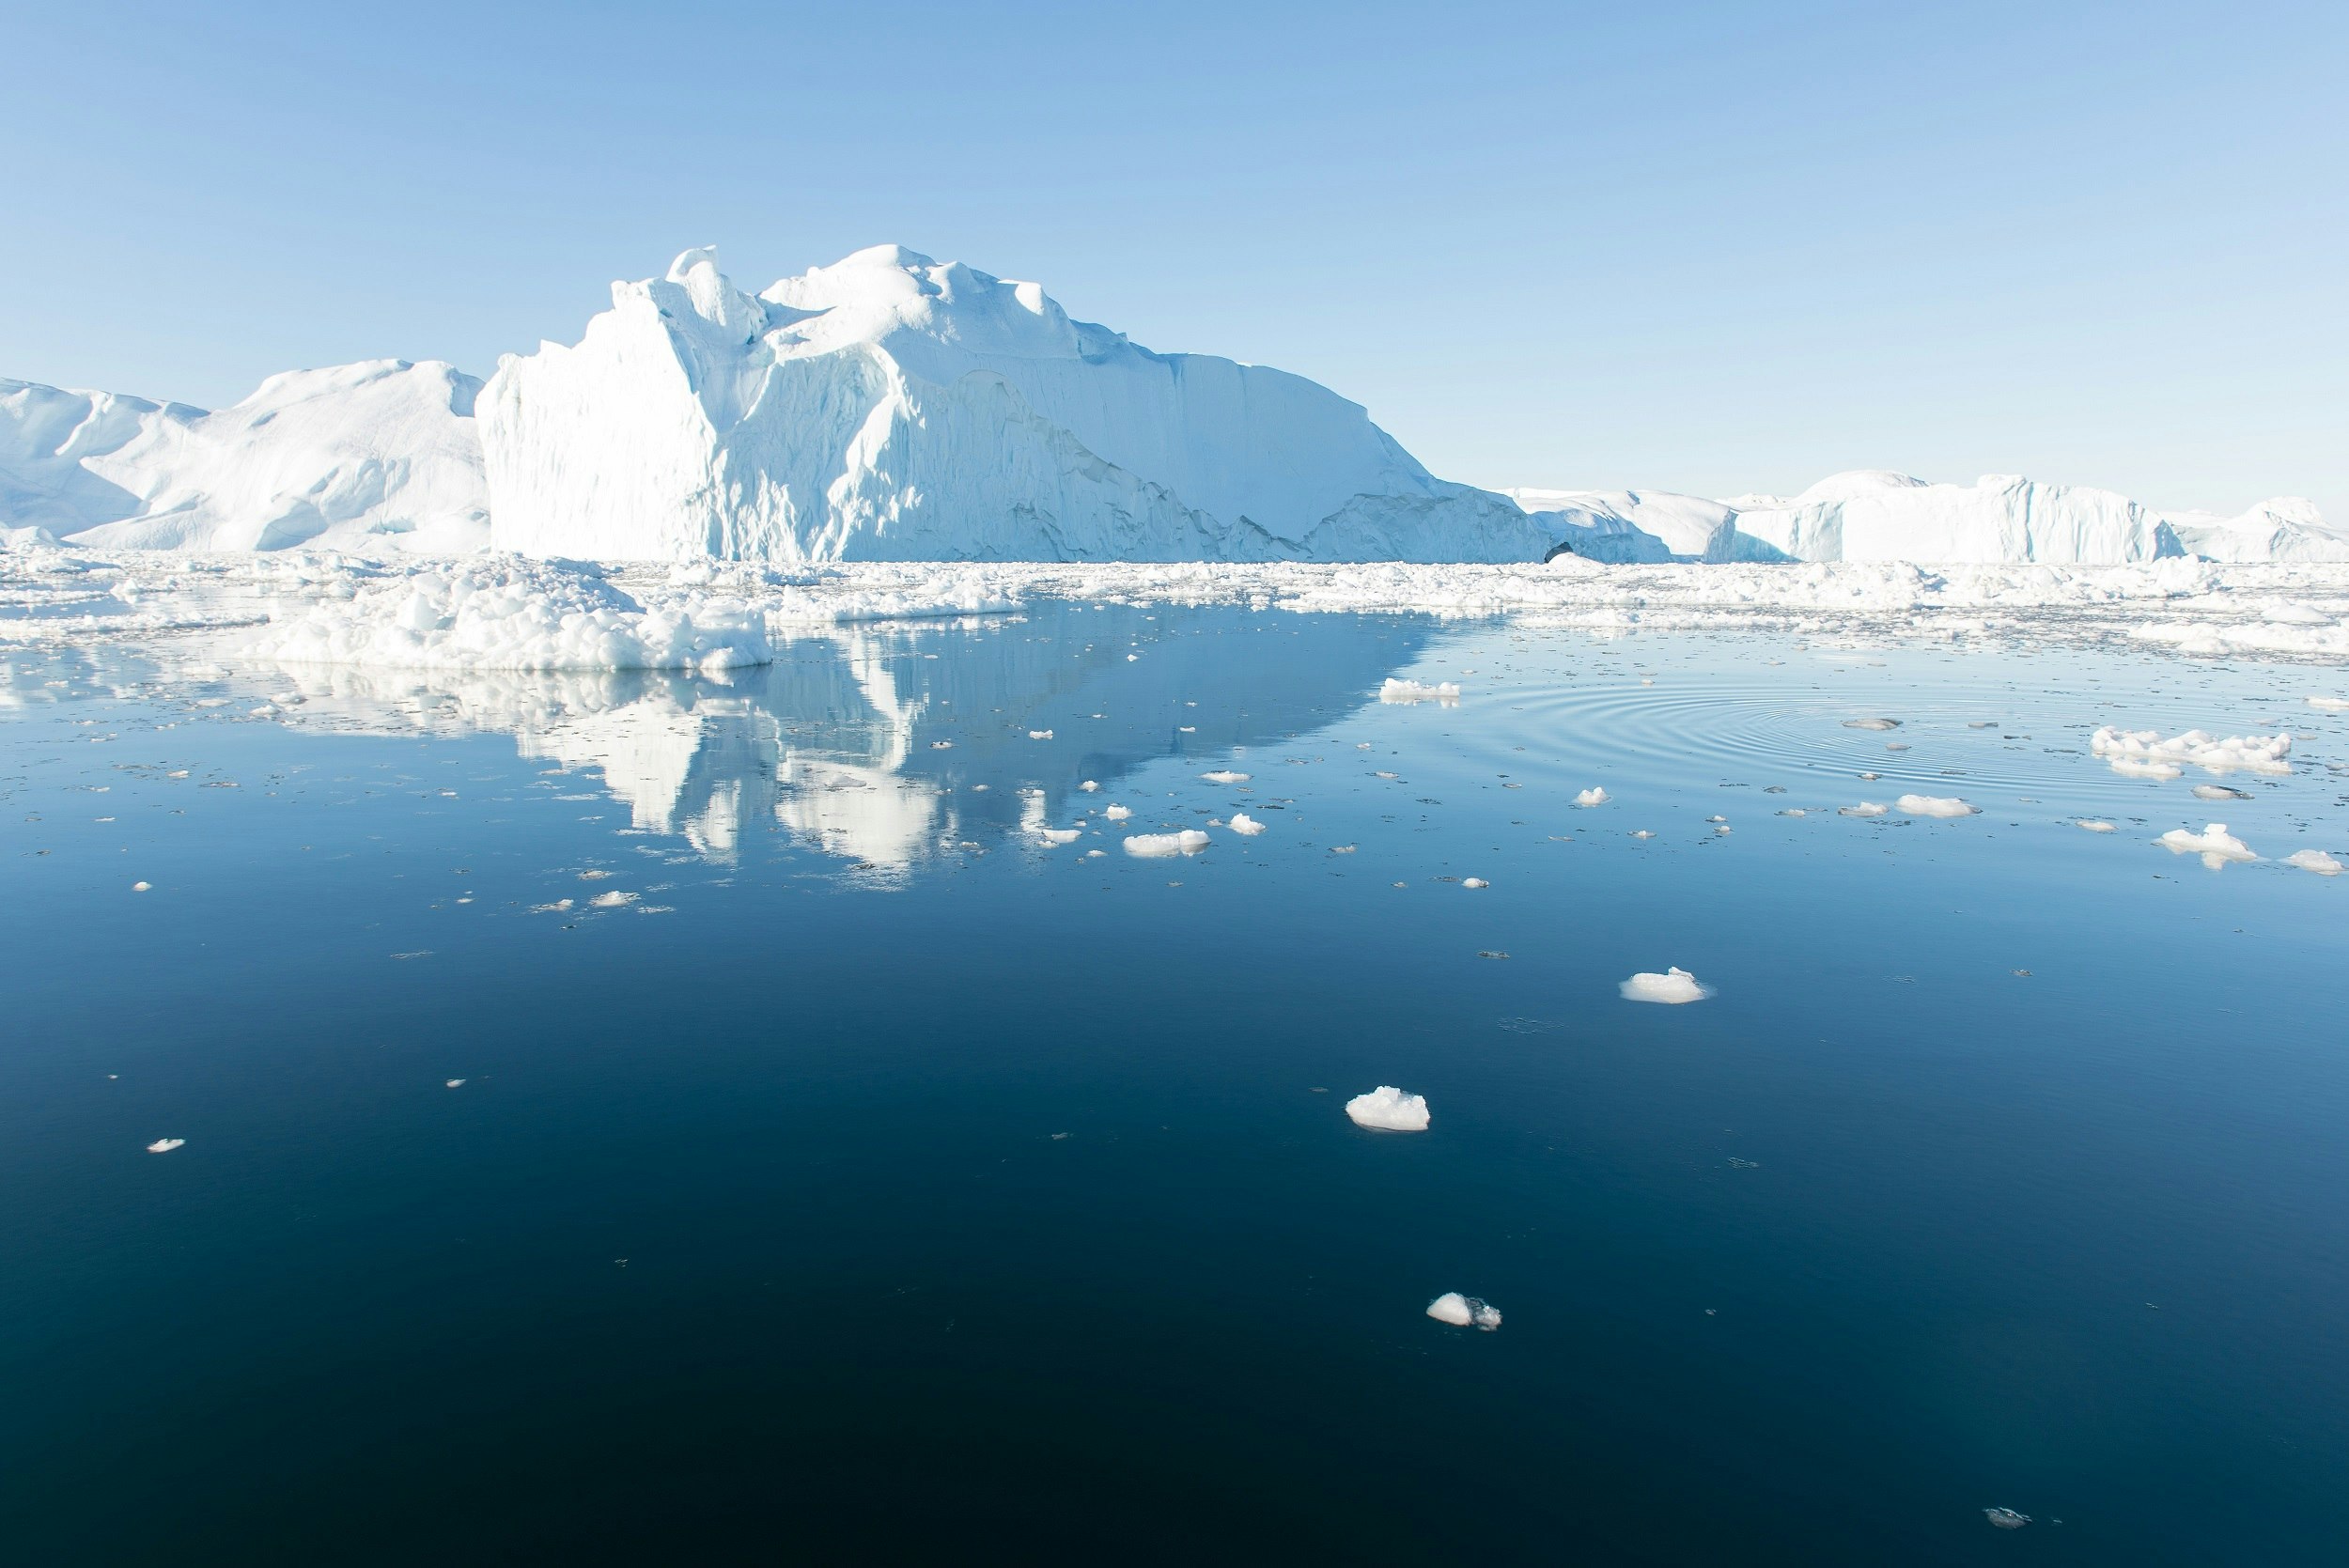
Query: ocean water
[[842, 1171]]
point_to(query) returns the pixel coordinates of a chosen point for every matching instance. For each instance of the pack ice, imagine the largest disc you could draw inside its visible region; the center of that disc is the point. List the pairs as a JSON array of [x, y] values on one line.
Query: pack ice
[[892, 408], [378, 452]]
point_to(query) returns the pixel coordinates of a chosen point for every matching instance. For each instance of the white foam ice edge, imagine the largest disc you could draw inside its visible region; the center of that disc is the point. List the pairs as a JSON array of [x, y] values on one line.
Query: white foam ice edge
[[1386, 1109], [489, 611]]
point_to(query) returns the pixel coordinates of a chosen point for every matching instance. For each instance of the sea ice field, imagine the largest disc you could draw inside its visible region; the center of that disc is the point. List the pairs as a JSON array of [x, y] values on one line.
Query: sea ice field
[[946, 1065]]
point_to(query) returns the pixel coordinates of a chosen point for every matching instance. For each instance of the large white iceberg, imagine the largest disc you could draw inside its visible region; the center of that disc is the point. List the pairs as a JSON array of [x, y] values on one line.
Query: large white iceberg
[[892, 408], [380, 452]]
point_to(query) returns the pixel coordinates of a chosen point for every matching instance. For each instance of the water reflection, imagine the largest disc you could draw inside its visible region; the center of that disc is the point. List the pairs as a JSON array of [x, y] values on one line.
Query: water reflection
[[889, 743]]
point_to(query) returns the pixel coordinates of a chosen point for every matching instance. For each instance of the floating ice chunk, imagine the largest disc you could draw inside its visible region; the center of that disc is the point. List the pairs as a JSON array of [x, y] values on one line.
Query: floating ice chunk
[[1189, 842], [1872, 723], [2214, 844], [454, 1083], [142, 887], [1089, 787], [165, 1146], [1642, 832], [616, 899], [2006, 1518], [2095, 825], [942, 745], [2314, 859], [1865, 808], [1039, 734], [1095, 854], [1475, 882], [2219, 792], [1224, 775], [1595, 796], [1117, 813], [1245, 824], [1059, 836], [1388, 1108], [1413, 691], [1932, 805], [1464, 1312], [2329, 704], [2141, 752], [1673, 985]]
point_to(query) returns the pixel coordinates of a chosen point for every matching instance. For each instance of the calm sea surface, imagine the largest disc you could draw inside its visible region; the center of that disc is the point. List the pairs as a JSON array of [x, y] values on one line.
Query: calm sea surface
[[841, 1171]]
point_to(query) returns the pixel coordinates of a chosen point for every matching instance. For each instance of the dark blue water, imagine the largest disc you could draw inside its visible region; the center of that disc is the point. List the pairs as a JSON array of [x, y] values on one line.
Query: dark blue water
[[898, 1188]]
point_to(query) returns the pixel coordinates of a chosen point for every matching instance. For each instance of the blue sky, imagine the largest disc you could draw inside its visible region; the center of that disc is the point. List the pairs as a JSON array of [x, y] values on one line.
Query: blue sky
[[1702, 247]]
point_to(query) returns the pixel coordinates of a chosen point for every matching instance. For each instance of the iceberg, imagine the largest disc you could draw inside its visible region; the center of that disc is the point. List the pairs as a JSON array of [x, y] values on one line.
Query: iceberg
[[383, 451], [892, 408]]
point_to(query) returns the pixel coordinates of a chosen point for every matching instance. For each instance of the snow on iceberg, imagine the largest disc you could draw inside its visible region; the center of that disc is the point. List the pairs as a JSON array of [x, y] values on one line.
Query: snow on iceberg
[[892, 408], [1386, 1109], [380, 452], [2143, 753], [494, 615]]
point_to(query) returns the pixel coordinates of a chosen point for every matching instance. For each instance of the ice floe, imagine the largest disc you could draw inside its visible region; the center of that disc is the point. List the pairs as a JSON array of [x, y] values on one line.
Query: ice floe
[[1595, 796], [2214, 844], [1464, 1312], [1190, 841], [1865, 808], [1672, 987], [1224, 776], [1932, 805], [1386, 1109], [1395, 691], [2097, 825], [165, 1146], [2144, 753], [2314, 859], [1245, 825], [2006, 1518]]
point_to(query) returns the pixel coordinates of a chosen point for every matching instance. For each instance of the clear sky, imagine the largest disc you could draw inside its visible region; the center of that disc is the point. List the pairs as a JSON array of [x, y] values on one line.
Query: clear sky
[[1713, 248]]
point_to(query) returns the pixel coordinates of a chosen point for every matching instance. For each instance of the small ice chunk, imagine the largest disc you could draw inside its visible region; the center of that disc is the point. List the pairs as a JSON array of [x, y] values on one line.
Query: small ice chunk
[[1413, 691], [1245, 824], [1642, 832], [1089, 787], [2006, 1518], [1224, 775], [1673, 985], [454, 1083], [1475, 882], [2314, 859], [616, 899], [2219, 792], [1117, 813], [165, 1146], [1187, 842], [1464, 1312], [142, 887], [1872, 723], [1388, 1108], [1595, 796], [1932, 805], [2214, 844], [2329, 704], [1059, 836], [2096, 825], [1039, 734], [1865, 808]]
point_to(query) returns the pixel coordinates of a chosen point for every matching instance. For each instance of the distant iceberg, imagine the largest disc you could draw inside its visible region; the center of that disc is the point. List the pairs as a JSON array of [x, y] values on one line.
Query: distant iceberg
[[382, 452]]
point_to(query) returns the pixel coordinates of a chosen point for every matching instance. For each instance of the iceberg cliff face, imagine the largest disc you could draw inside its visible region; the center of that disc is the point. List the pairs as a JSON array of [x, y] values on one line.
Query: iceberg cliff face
[[890, 408], [372, 452]]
